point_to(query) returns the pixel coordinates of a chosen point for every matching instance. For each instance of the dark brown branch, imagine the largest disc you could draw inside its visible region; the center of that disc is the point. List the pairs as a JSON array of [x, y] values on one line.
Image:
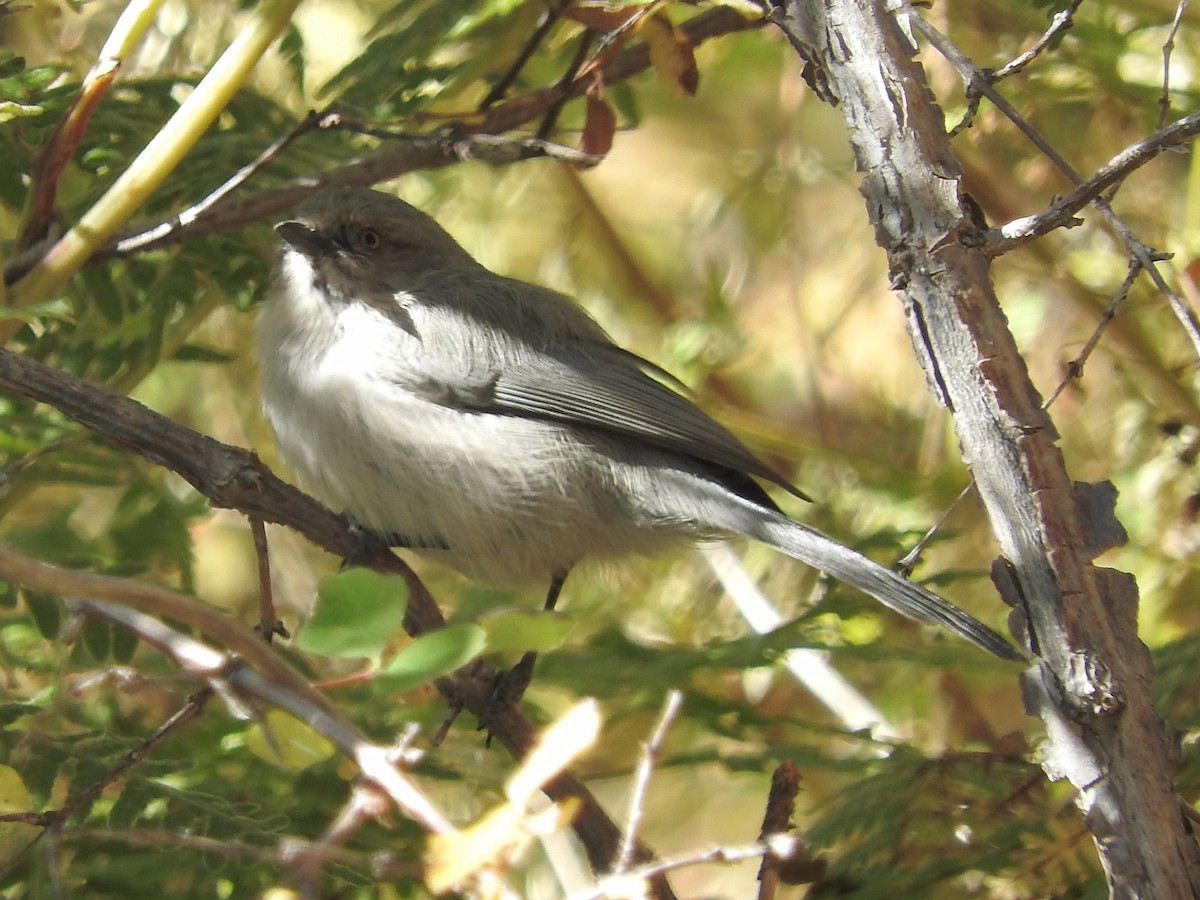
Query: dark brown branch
[[545, 22]]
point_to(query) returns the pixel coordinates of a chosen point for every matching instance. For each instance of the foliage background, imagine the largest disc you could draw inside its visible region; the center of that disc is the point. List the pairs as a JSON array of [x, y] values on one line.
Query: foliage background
[[723, 237]]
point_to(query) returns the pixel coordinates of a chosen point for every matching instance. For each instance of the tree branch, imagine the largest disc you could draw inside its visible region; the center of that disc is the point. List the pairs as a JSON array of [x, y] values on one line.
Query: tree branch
[[233, 478], [1091, 686], [1060, 213]]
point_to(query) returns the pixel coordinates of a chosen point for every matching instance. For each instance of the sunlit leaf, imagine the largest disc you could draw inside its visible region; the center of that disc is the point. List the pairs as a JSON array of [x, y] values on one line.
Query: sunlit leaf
[[358, 613], [671, 54], [521, 630], [14, 798], [286, 741], [431, 656]]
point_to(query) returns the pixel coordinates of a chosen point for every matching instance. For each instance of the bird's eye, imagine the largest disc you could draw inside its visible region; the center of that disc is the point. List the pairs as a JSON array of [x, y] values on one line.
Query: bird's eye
[[369, 238]]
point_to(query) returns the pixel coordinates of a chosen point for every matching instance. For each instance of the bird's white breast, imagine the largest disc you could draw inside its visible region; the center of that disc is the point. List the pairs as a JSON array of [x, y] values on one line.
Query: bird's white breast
[[506, 496]]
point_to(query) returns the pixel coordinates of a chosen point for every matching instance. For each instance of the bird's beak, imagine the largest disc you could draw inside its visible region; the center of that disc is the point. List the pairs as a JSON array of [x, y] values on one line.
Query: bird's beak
[[303, 237]]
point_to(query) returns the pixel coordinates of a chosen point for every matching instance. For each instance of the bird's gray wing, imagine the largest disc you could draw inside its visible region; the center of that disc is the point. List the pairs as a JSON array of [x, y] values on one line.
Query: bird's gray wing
[[613, 390]]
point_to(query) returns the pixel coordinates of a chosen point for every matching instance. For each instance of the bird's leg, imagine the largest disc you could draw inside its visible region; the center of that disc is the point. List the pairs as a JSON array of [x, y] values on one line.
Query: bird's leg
[[510, 686], [519, 676]]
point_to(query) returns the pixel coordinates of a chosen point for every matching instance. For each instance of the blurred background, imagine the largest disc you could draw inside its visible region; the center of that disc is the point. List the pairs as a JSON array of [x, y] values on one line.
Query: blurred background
[[724, 238]]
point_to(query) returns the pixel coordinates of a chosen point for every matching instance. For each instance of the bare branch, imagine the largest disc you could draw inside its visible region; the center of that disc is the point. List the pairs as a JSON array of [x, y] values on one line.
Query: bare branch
[[1060, 213], [293, 694], [645, 768], [614, 885], [1075, 366], [1164, 100], [971, 74], [1063, 19], [1090, 686], [365, 803]]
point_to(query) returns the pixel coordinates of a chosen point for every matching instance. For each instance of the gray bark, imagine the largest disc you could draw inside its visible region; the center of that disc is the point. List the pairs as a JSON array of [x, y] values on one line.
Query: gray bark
[[1089, 683]]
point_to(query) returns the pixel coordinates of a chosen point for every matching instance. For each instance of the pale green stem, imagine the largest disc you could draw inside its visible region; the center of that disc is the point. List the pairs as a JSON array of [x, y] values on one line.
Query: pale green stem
[[160, 156], [129, 29]]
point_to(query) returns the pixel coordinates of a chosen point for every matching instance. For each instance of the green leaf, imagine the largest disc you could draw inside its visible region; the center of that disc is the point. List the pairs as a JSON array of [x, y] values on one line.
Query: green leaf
[[358, 612], [522, 630], [57, 308], [46, 612], [124, 644], [97, 639], [10, 111], [200, 353], [287, 742], [431, 656]]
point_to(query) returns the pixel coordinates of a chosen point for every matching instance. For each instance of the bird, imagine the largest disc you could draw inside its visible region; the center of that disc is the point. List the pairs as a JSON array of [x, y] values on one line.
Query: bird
[[492, 424]]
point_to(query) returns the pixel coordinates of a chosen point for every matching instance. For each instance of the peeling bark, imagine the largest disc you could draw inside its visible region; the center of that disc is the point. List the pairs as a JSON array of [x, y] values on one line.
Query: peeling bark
[[1090, 682]]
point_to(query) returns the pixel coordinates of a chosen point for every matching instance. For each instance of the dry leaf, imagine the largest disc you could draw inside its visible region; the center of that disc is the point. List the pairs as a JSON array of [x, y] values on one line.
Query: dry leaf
[[670, 54], [604, 17], [600, 126]]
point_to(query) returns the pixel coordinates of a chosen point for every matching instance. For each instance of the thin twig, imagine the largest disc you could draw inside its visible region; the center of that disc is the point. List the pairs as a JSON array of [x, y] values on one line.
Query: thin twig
[[156, 160], [365, 803], [233, 478], [1164, 100], [269, 623], [910, 558], [17, 466], [546, 21], [70, 130], [1060, 212], [645, 767], [613, 40], [251, 667], [1144, 255], [546, 127], [230, 677], [779, 845], [183, 219], [1075, 366], [53, 820], [418, 153], [1058, 25]]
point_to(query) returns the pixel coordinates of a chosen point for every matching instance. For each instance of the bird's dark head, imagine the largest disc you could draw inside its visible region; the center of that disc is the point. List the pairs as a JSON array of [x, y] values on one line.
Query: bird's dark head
[[356, 238]]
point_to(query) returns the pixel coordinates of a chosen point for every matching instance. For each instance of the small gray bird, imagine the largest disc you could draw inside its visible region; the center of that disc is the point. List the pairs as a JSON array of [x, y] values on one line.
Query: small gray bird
[[493, 424]]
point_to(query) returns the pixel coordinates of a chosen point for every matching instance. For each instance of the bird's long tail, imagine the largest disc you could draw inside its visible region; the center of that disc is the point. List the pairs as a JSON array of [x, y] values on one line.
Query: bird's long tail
[[888, 587], [737, 514]]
